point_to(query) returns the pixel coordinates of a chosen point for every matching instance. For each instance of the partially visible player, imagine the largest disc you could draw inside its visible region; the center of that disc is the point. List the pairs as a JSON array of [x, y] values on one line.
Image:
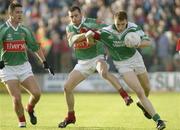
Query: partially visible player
[[128, 60], [90, 58], [178, 45], [15, 70]]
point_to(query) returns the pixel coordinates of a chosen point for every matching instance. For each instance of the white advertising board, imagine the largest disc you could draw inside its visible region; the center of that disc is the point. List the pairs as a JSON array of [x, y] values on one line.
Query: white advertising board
[[160, 81]]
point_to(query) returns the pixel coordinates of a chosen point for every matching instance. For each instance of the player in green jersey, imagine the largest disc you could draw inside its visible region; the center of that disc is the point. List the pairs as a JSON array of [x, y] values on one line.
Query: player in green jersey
[[90, 58], [128, 60], [15, 70]]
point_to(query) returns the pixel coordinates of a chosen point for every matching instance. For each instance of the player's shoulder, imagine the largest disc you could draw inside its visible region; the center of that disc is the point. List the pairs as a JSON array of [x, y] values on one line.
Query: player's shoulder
[[109, 27], [131, 24], [25, 28], [69, 27], [89, 19], [3, 25]]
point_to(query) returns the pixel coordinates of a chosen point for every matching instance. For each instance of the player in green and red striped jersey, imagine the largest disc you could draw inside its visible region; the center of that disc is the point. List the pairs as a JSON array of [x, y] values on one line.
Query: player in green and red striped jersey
[[90, 58], [128, 60], [15, 69]]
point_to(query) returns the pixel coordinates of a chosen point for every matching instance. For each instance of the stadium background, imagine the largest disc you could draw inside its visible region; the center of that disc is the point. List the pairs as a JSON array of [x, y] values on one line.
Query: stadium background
[[160, 19]]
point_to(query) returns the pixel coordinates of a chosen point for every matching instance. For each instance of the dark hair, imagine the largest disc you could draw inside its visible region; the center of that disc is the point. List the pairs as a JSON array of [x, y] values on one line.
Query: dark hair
[[13, 5], [73, 8], [121, 15]]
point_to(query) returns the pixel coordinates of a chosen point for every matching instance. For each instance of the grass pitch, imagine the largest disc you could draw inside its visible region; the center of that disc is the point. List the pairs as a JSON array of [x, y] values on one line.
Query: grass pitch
[[94, 111]]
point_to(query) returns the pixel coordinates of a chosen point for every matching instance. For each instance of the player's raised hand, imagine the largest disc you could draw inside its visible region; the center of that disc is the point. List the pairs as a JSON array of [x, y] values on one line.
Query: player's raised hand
[[46, 66]]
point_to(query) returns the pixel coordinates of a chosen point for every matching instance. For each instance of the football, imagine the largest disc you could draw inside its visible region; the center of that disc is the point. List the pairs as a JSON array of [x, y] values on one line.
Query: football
[[132, 39]]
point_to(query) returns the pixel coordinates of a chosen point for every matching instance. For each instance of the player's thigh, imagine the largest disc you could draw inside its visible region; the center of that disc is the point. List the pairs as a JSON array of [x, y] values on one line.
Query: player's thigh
[[132, 81], [102, 66], [13, 89], [74, 78], [31, 85], [145, 83]]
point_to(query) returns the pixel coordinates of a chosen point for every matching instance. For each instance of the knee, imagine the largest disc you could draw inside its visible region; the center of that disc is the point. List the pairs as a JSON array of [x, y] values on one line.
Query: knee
[[104, 74], [67, 88], [36, 95]]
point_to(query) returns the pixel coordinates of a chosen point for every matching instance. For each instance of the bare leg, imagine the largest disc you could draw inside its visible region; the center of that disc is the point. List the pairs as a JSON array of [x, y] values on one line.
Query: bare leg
[[32, 87], [102, 69], [133, 82], [15, 92], [74, 78], [30, 84], [143, 78]]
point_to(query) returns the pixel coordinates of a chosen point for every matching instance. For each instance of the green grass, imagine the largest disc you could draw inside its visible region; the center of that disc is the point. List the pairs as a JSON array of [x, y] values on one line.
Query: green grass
[[94, 111]]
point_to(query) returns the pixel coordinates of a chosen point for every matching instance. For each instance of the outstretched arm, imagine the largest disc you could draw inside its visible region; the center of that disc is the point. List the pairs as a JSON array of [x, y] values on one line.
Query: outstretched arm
[[74, 38], [144, 43], [40, 55]]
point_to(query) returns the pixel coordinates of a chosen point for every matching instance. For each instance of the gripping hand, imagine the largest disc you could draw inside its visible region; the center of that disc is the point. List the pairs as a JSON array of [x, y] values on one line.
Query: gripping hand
[[46, 66], [2, 64]]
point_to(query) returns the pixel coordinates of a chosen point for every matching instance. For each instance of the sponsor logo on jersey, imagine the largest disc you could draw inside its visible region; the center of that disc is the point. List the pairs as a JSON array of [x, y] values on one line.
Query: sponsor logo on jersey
[[81, 44], [118, 43], [9, 37], [110, 37], [14, 46]]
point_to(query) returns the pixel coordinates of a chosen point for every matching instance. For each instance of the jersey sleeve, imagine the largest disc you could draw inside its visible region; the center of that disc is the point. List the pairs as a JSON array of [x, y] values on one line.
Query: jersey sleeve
[[31, 41], [141, 33]]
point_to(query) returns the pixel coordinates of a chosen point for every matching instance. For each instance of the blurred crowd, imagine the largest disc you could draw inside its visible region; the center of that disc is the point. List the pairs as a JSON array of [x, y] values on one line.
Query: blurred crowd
[[160, 19]]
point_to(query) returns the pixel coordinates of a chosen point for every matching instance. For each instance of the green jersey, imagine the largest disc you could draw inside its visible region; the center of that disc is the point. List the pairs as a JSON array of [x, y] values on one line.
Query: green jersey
[[115, 41], [82, 50], [14, 43]]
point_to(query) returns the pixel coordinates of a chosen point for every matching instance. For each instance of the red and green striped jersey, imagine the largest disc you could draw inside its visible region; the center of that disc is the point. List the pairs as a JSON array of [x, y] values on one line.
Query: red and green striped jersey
[[82, 50], [115, 41], [14, 43]]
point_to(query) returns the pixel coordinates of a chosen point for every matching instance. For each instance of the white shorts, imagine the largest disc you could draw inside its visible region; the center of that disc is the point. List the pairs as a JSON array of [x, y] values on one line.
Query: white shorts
[[17, 72], [88, 67], [135, 63]]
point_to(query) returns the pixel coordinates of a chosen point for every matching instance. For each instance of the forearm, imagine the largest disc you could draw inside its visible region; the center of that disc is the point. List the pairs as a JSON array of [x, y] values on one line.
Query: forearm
[[40, 55], [76, 38]]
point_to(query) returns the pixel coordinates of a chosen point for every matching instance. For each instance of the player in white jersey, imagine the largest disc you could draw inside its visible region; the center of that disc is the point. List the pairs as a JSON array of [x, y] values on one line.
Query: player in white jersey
[[128, 60]]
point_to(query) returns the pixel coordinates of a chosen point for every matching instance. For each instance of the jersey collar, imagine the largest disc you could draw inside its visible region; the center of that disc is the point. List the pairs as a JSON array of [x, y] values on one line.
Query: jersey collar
[[8, 23]]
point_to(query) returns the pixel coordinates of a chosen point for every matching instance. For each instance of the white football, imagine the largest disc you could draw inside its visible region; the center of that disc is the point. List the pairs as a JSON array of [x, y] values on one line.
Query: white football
[[132, 39]]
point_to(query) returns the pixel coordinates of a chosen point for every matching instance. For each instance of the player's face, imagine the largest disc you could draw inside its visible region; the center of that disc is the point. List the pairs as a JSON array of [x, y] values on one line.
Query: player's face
[[16, 15], [120, 24], [75, 17]]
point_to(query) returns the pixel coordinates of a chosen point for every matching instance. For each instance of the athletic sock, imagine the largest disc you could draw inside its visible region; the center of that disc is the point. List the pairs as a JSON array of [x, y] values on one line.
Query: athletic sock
[[71, 114], [123, 93], [156, 117], [30, 108], [22, 118]]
